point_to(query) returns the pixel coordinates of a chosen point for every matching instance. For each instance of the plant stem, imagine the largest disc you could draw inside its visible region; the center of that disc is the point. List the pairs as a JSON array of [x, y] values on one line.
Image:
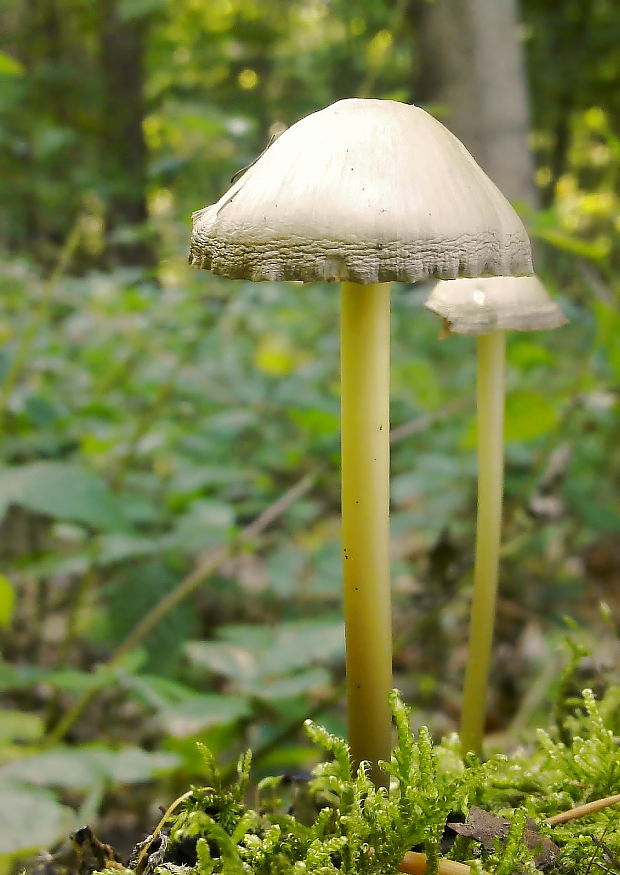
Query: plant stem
[[140, 863], [365, 363], [490, 400], [583, 810]]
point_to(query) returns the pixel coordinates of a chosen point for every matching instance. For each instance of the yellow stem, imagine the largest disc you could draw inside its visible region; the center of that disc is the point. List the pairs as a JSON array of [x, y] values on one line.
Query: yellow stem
[[490, 400], [365, 361], [142, 858], [414, 863]]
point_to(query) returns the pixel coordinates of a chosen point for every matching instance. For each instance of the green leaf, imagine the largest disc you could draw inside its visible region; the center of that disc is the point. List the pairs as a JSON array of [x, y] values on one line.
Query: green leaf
[[261, 658], [63, 491], [21, 677], [529, 415], [206, 523], [525, 353], [568, 243], [131, 765], [75, 681], [195, 478], [284, 567], [422, 377], [154, 687], [203, 712], [229, 660], [130, 9], [7, 601], [608, 329], [132, 595], [300, 684], [119, 547], [316, 422], [56, 768], [296, 643], [79, 769], [30, 819], [18, 677]]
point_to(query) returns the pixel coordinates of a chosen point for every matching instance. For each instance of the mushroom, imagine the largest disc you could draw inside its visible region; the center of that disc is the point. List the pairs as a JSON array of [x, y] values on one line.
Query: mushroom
[[483, 304], [487, 307], [363, 192]]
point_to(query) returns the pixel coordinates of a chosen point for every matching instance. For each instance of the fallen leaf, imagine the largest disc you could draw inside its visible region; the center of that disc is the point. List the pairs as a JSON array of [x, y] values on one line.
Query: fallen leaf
[[485, 827]]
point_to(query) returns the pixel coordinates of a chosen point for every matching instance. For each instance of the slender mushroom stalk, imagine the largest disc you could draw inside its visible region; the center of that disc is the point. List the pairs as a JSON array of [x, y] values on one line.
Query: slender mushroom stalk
[[475, 306], [364, 192], [491, 349], [365, 415]]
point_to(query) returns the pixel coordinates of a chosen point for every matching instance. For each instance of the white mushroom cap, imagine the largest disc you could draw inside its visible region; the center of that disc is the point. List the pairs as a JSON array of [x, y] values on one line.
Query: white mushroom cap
[[477, 306], [367, 191]]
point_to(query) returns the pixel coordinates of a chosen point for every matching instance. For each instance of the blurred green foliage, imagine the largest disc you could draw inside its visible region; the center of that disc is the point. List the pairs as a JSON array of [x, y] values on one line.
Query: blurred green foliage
[[149, 414]]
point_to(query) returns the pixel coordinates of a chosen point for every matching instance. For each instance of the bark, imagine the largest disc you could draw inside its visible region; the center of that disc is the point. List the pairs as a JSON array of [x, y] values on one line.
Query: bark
[[471, 64], [123, 147], [34, 40]]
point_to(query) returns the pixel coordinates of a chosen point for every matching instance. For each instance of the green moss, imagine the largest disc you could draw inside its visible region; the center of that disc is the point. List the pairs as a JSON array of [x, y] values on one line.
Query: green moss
[[358, 829]]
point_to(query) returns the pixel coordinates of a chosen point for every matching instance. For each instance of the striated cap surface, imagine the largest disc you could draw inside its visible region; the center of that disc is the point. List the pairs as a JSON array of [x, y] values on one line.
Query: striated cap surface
[[366, 191], [477, 306]]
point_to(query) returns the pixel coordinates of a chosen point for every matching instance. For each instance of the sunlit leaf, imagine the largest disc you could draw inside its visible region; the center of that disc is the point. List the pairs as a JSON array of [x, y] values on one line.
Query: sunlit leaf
[[7, 601], [10, 66], [20, 726], [275, 356]]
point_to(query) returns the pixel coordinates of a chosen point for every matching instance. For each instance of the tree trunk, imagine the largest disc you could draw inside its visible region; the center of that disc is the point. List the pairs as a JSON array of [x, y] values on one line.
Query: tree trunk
[[124, 153], [471, 65]]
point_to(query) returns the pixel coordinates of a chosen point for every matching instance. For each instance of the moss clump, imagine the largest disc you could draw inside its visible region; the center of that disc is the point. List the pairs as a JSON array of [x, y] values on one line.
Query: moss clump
[[357, 829]]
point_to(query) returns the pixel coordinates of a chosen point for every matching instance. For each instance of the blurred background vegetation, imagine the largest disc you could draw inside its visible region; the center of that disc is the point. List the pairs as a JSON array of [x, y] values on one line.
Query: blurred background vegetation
[[169, 489]]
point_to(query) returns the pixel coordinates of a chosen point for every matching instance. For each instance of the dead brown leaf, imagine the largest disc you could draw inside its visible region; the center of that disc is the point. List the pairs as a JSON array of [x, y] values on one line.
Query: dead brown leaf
[[485, 827]]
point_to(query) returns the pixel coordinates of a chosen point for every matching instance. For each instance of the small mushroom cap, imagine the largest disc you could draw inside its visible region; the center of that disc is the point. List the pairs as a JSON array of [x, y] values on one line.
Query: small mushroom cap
[[366, 191], [477, 306]]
